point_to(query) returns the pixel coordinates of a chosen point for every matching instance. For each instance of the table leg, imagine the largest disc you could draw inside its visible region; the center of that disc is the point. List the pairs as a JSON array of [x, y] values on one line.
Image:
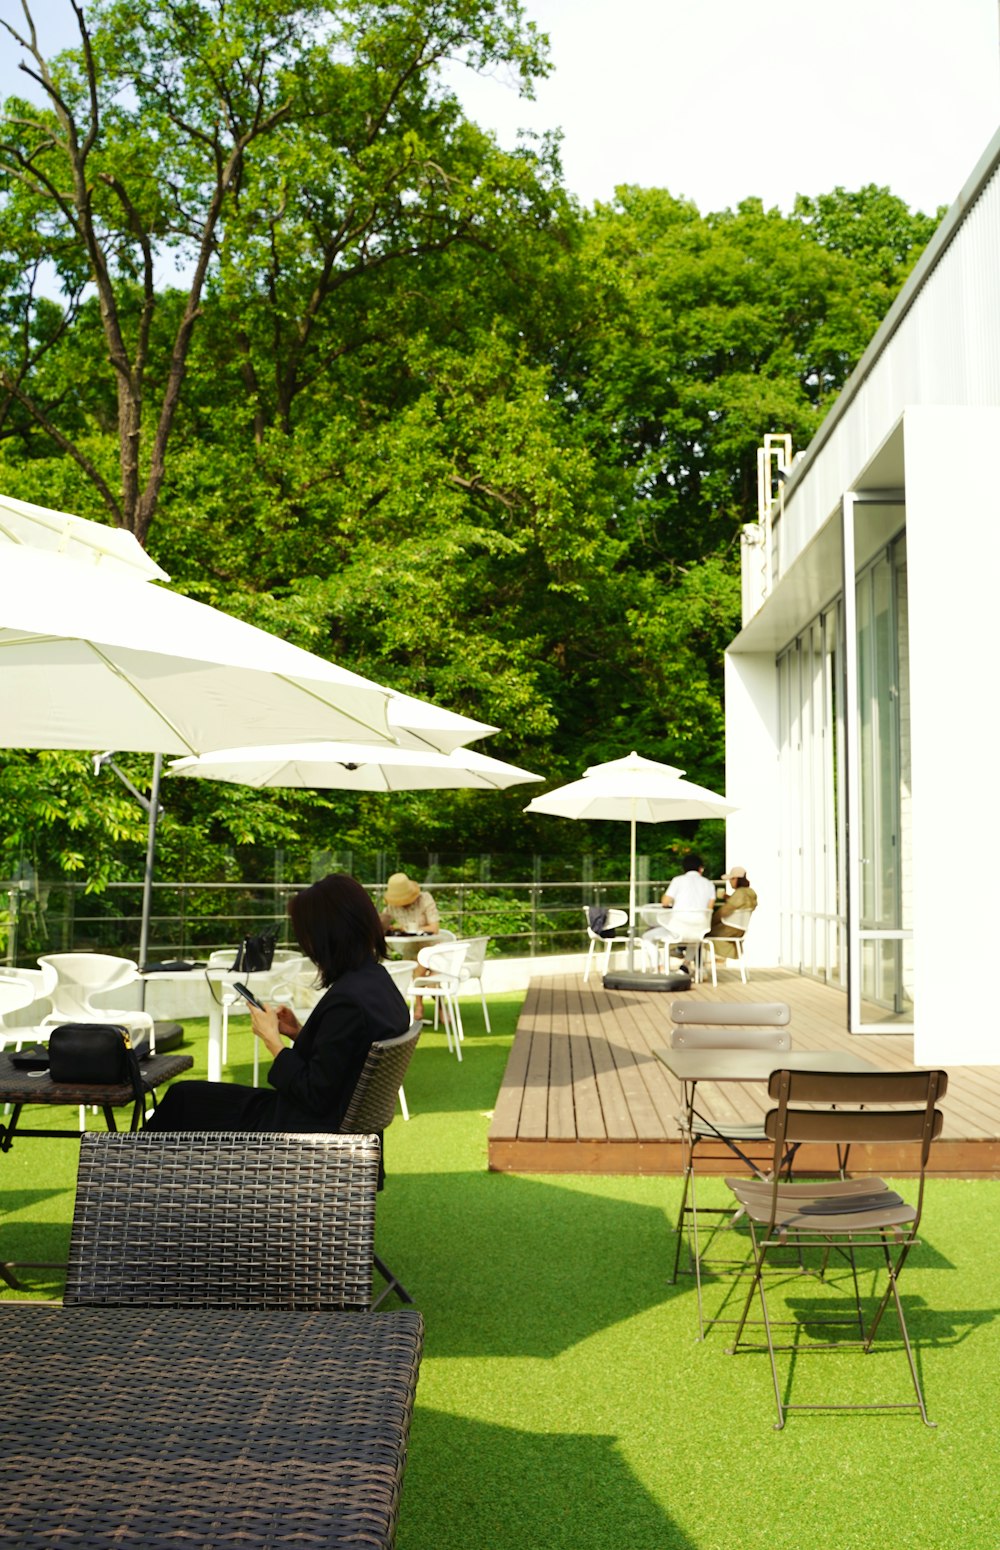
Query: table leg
[[215, 1042]]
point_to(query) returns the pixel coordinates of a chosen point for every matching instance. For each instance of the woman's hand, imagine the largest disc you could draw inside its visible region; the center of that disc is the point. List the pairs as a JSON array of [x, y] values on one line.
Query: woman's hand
[[265, 1026], [288, 1023]]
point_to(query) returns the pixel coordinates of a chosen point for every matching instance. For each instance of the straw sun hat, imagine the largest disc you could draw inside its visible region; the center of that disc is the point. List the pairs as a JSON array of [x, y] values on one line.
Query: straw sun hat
[[400, 890]]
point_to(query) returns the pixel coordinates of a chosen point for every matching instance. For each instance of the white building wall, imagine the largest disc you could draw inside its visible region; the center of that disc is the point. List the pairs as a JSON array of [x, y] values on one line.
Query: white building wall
[[752, 783], [940, 344], [952, 459]]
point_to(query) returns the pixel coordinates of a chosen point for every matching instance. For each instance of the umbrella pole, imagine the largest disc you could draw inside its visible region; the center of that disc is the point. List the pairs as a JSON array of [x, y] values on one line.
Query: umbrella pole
[[147, 881], [631, 893]]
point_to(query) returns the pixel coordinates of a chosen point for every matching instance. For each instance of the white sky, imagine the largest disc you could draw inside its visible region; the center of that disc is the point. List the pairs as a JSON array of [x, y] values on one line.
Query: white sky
[[719, 99]]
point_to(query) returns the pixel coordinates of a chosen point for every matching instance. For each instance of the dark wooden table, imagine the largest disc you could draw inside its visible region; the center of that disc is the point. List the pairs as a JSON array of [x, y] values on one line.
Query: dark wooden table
[[165, 1427], [19, 1088]]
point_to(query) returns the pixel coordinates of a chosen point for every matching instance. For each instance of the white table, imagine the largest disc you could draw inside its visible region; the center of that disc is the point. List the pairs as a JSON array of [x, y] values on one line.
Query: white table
[[213, 987]]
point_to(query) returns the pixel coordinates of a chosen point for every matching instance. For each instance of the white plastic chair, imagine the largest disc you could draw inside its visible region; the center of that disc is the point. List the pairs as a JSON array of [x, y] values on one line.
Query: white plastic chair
[[472, 969], [739, 920], [402, 971], [80, 977], [20, 989], [616, 918], [686, 931], [439, 979]]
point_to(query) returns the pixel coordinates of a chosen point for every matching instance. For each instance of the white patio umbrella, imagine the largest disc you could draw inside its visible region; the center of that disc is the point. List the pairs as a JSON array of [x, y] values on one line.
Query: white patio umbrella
[[632, 790], [355, 767], [92, 659], [93, 543]]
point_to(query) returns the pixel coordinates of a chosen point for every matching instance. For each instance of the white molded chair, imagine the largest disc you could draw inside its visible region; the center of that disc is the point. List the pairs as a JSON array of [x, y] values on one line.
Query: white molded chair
[[739, 920], [616, 919], [439, 978], [402, 971], [80, 977], [686, 931], [472, 969], [20, 989]]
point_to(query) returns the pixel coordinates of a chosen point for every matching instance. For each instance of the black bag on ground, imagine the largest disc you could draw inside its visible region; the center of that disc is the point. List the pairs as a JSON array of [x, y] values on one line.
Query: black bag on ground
[[256, 952], [98, 1053]]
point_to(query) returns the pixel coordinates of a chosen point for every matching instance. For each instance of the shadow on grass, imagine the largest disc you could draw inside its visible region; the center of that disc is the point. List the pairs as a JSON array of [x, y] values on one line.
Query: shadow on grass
[[506, 1265], [512, 1489]]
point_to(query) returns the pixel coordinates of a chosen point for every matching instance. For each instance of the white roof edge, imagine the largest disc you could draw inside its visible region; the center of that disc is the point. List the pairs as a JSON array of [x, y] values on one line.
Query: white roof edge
[[921, 271]]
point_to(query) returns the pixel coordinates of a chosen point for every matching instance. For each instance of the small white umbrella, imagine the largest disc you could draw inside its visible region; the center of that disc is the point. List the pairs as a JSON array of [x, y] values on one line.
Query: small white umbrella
[[93, 543], [632, 790], [355, 767]]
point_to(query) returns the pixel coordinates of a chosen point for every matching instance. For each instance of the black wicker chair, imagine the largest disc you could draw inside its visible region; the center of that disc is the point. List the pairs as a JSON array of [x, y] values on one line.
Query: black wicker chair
[[224, 1220], [372, 1109]]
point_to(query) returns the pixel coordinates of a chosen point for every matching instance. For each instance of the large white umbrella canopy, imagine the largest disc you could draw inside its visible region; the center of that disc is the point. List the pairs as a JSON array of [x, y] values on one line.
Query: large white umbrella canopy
[[93, 543], [355, 767], [420, 724], [90, 659], [632, 790]]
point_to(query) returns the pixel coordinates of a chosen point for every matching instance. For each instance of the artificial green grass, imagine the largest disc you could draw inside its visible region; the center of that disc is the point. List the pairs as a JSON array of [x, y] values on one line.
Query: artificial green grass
[[564, 1400]]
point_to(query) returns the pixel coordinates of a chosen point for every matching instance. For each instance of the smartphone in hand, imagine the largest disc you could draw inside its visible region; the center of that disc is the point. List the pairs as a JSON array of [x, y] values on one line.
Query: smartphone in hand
[[248, 995]]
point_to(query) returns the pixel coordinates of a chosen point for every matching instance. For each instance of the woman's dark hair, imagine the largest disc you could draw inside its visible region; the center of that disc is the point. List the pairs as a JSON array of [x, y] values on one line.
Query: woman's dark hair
[[336, 925]]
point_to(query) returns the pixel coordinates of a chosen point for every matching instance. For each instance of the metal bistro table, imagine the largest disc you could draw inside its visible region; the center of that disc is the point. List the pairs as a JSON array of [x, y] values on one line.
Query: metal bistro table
[[691, 1066], [167, 1427], [19, 1087]]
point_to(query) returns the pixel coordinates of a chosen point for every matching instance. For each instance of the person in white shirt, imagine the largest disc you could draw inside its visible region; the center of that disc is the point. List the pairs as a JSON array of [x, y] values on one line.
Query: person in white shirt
[[690, 890]]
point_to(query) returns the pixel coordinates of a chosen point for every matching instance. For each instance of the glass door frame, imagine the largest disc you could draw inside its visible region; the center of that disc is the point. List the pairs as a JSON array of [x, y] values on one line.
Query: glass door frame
[[856, 935]]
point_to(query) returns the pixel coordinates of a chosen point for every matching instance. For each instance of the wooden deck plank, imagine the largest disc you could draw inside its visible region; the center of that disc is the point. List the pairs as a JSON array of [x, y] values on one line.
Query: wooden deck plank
[[584, 1092]]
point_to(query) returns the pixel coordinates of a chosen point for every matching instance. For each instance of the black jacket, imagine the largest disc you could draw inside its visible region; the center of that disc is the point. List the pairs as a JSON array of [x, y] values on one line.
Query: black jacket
[[315, 1077]]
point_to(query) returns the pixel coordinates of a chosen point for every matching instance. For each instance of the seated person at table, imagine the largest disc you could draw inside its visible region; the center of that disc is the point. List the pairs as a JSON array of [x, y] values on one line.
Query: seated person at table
[[741, 897], [312, 1077], [409, 908], [690, 890]]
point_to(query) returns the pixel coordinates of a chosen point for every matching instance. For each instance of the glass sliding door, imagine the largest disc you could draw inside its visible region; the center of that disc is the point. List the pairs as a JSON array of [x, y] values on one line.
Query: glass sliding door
[[878, 774], [810, 742]]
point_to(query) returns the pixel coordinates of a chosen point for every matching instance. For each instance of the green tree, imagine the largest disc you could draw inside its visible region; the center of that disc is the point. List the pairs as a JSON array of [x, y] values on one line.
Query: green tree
[[286, 150]]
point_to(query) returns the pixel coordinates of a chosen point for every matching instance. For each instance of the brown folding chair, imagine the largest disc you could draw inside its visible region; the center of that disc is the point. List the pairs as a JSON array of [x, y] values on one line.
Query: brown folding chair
[[840, 1217], [719, 1025]]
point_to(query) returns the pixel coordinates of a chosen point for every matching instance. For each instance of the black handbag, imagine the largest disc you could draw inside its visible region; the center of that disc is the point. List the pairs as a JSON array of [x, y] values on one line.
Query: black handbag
[[256, 952], [94, 1053]]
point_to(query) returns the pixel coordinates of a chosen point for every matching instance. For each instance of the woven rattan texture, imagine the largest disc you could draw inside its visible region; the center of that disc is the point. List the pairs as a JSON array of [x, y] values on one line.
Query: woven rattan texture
[[373, 1101], [38, 1087], [207, 1429], [224, 1220]]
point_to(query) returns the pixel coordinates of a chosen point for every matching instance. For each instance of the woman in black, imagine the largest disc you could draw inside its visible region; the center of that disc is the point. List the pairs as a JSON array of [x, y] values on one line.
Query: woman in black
[[313, 1076]]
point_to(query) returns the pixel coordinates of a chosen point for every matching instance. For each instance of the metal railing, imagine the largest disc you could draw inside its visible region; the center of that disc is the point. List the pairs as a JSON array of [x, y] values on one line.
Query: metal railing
[[190, 920]]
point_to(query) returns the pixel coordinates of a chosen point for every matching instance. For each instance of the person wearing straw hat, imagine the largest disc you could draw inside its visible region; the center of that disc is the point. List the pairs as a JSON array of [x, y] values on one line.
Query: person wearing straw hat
[[411, 910], [741, 897]]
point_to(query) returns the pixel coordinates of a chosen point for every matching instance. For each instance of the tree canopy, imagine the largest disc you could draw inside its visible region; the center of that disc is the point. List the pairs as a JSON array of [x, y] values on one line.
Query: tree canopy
[[361, 375]]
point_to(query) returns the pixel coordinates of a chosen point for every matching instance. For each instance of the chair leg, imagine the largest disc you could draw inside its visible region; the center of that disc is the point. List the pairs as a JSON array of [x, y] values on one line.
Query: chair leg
[[392, 1284], [486, 1010], [590, 961]]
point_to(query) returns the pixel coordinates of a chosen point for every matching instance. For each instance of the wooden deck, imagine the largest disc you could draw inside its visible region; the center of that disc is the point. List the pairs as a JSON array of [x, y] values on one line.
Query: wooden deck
[[583, 1091]]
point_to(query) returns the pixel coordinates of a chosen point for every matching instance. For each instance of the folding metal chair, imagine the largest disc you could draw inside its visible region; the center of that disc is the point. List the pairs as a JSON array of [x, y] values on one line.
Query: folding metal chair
[[843, 1216], [718, 1025]]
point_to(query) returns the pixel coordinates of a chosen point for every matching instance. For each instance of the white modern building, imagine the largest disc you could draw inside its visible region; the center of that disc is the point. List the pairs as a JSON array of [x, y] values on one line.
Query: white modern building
[[861, 692]]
